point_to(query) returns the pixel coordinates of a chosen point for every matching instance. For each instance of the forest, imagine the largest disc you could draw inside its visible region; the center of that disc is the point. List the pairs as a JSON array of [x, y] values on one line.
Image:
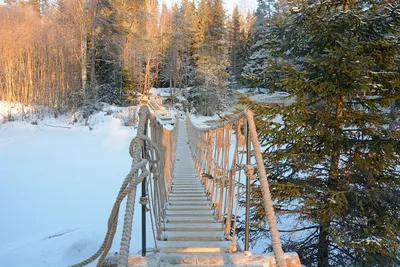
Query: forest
[[70, 55], [332, 157]]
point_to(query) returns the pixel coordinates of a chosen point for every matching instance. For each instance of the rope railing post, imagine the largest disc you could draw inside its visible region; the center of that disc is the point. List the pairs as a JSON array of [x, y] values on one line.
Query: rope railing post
[[226, 169], [221, 176], [276, 241], [231, 189], [144, 196], [148, 160], [215, 171], [247, 223], [130, 206]]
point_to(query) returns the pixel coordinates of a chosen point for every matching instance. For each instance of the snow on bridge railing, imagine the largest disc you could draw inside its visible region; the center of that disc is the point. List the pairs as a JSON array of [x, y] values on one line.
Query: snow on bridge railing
[[153, 155], [218, 152]]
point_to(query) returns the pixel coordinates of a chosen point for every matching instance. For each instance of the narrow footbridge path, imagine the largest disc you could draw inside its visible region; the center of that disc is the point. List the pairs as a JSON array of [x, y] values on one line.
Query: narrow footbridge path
[[190, 222], [192, 179]]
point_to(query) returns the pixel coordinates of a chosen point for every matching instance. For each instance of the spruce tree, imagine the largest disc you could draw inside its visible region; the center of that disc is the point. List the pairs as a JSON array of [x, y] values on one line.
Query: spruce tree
[[201, 24], [108, 81], [170, 63], [188, 11], [258, 53], [237, 48], [177, 67], [212, 62], [187, 37], [332, 160]]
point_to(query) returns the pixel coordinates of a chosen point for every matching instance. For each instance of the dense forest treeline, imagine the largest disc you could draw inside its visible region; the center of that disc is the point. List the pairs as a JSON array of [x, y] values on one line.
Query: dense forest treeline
[[73, 54]]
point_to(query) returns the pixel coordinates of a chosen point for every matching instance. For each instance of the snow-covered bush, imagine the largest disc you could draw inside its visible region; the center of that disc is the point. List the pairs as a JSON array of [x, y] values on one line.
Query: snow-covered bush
[[128, 116]]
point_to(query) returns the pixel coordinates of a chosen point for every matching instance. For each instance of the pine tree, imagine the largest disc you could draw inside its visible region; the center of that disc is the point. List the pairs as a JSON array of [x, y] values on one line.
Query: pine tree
[[332, 161], [201, 23], [258, 53], [164, 28], [212, 61], [189, 21], [109, 77], [187, 67], [169, 72], [237, 48], [177, 68]]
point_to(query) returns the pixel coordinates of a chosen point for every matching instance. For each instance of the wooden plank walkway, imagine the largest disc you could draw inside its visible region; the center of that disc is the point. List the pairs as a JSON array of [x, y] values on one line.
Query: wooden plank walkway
[[191, 225], [192, 235]]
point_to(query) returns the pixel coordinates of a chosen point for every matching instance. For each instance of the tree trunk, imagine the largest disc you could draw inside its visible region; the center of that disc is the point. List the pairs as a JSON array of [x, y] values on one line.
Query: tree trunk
[[93, 81], [147, 75], [333, 184], [84, 52], [394, 114], [170, 86], [323, 244]]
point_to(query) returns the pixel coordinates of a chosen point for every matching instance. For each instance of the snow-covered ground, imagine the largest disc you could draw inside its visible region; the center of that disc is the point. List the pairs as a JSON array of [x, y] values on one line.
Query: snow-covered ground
[[59, 181], [58, 186]]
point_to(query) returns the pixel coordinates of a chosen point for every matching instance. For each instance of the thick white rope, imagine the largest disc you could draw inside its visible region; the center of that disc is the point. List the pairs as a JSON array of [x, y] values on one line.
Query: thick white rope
[[267, 201], [144, 114], [130, 183], [264, 185], [128, 189]]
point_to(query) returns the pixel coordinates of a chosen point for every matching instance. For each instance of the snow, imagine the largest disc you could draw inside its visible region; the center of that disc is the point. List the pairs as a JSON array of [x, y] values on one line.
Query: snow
[[163, 91], [58, 186], [203, 121], [252, 91], [59, 182], [275, 97], [285, 221]]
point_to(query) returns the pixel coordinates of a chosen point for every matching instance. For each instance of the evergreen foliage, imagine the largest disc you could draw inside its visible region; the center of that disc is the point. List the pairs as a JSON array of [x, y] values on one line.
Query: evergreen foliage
[[258, 53], [237, 48], [117, 50], [333, 164], [177, 69], [212, 61], [332, 156], [109, 77]]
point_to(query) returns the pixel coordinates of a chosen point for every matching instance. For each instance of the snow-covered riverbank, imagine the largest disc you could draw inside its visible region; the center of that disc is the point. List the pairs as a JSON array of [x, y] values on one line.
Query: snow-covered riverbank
[[58, 185]]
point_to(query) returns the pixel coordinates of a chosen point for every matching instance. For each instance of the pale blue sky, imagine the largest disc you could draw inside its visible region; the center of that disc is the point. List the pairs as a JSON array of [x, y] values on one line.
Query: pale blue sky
[[244, 5]]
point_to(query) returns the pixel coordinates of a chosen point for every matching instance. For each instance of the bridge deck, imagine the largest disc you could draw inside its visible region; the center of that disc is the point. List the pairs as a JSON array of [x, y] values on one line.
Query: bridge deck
[[191, 225], [192, 235]]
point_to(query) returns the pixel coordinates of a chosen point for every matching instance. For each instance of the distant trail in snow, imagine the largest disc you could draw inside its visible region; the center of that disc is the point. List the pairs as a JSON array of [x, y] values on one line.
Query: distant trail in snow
[[57, 126], [61, 233], [12, 139]]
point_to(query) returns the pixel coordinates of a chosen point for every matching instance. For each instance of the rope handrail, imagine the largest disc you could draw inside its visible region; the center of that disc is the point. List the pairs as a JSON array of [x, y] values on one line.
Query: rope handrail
[[219, 163], [221, 170], [154, 157]]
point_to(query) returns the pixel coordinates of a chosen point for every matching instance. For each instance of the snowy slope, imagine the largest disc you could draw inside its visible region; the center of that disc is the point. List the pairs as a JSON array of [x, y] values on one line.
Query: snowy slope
[[58, 186]]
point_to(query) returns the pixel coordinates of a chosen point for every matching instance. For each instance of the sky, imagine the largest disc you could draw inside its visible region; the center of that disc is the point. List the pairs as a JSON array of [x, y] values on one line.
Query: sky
[[244, 5]]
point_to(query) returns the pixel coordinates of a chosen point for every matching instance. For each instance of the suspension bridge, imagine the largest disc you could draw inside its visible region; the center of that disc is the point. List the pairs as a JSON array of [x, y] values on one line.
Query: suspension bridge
[[191, 181]]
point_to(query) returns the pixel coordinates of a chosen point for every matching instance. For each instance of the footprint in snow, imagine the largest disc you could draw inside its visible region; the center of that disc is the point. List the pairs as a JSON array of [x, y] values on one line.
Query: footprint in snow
[[79, 251]]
